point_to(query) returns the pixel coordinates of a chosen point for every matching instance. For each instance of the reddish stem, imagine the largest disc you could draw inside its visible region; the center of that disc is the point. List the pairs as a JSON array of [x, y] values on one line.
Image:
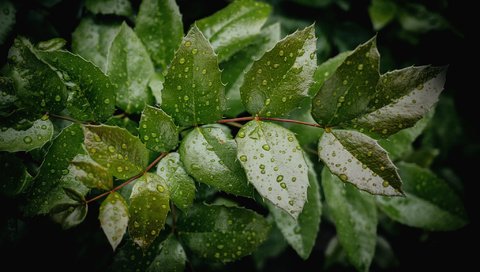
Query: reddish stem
[[149, 167]]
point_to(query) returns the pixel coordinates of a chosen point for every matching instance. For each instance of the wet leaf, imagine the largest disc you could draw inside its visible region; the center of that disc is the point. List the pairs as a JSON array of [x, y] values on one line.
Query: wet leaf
[[38, 87], [429, 203], [172, 257], [193, 92], [274, 164], [95, 87], [90, 173], [14, 140], [92, 38], [17, 179], [237, 25], [113, 218], [157, 130], [348, 91], [148, 209], [130, 72], [51, 45], [123, 122], [180, 185], [159, 26], [301, 234], [358, 159], [209, 155], [7, 20], [114, 148], [234, 69], [7, 96], [222, 234], [355, 217], [117, 7], [71, 216], [325, 71], [382, 12], [279, 80]]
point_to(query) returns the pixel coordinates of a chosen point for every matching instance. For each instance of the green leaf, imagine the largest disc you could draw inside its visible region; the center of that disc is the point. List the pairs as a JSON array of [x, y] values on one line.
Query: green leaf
[[172, 257], [7, 20], [382, 12], [222, 234], [51, 45], [232, 28], [8, 96], [193, 92], [94, 86], [403, 97], [279, 81], [130, 72], [274, 164], [156, 87], [355, 217], [17, 179], [159, 26], [123, 122], [91, 40], [429, 203], [358, 159], [123, 154], [38, 86], [91, 174], [70, 215], [13, 140], [148, 209], [234, 69], [325, 71], [47, 188], [113, 218], [301, 234], [271, 248], [417, 18], [313, 3], [117, 7], [209, 155], [348, 91], [399, 144], [157, 130], [180, 185]]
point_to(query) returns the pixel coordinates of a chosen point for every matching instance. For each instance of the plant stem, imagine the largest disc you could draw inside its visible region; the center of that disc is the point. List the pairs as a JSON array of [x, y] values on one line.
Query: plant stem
[[67, 118], [249, 118], [149, 167]]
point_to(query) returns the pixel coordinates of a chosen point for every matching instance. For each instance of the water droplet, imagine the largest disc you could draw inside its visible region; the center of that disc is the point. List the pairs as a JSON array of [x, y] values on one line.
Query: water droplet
[[384, 131], [160, 188], [106, 101], [146, 138], [111, 148], [385, 183], [345, 82], [281, 53], [283, 185], [241, 134], [194, 51], [343, 177], [284, 99], [188, 43], [27, 139], [279, 178], [290, 202], [185, 98], [276, 65], [182, 61], [266, 147], [267, 101], [119, 169], [220, 246], [243, 158], [264, 82], [360, 67], [124, 146], [312, 55], [153, 232], [204, 71], [179, 88]]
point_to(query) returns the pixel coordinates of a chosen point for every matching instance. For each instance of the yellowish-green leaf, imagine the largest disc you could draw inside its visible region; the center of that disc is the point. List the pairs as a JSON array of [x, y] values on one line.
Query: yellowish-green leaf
[[157, 130], [113, 218]]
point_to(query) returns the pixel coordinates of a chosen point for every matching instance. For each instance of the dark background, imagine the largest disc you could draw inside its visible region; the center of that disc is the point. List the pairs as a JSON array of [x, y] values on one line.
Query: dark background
[[38, 242]]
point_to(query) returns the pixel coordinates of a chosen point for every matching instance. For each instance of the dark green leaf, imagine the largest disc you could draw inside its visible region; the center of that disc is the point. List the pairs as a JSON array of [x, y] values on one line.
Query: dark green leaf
[[193, 91], [274, 164], [13, 140], [232, 28], [348, 91], [271, 248], [314, 3], [418, 18], [222, 234], [123, 122], [117, 7], [92, 39], [209, 155], [90, 173], [429, 203], [355, 217], [148, 209], [7, 20], [279, 81], [7, 96], [403, 97], [130, 72], [301, 234], [17, 177], [113, 218], [233, 70], [71, 216], [382, 12], [180, 185], [114, 148], [157, 130], [156, 87], [74, 195], [51, 45], [38, 86], [325, 71], [358, 159], [54, 175], [159, 26], [94, 86], [172, 257]]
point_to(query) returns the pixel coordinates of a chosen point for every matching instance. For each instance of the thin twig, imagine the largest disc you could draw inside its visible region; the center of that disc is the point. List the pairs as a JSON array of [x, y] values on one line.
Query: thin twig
[[249, 118], [149, 167], [67, 118]]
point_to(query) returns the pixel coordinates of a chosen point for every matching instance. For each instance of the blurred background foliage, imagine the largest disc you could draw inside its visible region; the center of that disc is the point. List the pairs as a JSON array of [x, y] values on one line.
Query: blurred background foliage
[[409, 32]]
